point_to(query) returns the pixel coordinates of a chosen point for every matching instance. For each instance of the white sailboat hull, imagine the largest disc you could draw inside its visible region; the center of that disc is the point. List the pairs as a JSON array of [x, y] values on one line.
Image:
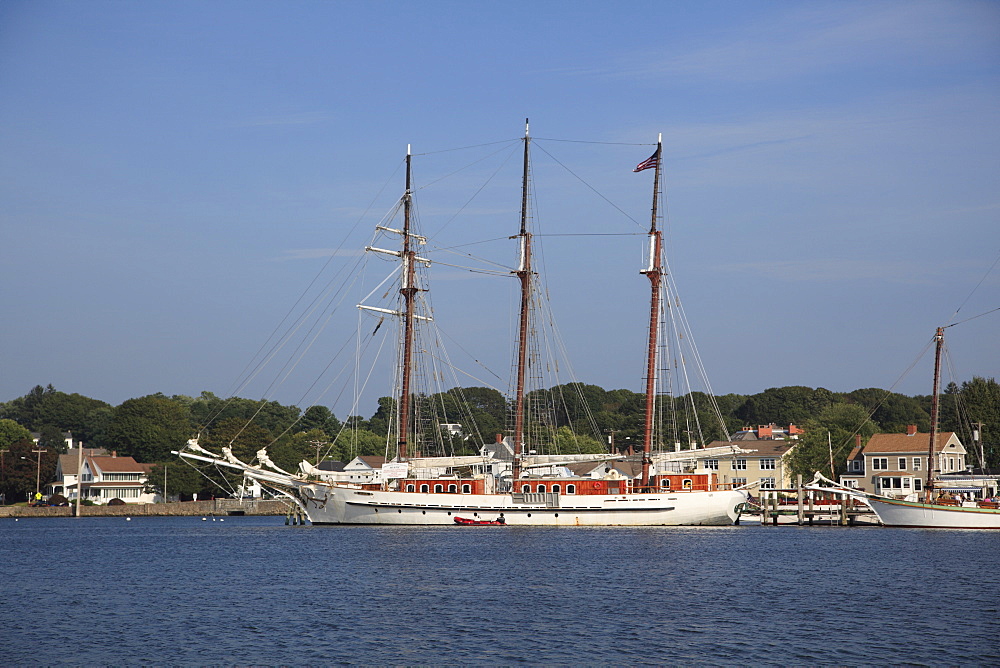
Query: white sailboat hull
[[894, 513], [333, 504]]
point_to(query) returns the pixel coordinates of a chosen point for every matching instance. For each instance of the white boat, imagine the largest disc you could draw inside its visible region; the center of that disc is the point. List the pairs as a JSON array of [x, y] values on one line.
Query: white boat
[[941, 513], [414, 490], [898, 513]]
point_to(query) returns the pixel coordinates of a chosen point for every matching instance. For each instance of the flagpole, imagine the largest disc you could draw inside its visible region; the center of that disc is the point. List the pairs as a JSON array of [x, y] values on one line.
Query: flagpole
[[654, 272]]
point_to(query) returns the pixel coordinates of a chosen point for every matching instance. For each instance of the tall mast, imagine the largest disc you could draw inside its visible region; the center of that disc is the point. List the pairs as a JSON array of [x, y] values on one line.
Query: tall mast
[[524, 275], [654, 272], [935, 397], [408, 289]]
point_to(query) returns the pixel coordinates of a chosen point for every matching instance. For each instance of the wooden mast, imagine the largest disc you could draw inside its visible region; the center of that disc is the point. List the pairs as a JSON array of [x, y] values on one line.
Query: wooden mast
[[654, 272], [408, 289], [524, 274], [935, 397]]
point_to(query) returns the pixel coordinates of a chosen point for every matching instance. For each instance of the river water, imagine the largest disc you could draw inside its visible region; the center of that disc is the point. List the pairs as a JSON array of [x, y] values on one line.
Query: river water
[[250, 590]]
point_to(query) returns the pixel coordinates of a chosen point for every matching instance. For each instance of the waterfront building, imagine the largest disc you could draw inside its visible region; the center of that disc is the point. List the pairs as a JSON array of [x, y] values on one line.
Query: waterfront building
[[757, 461], [103, 477], [895, 465]]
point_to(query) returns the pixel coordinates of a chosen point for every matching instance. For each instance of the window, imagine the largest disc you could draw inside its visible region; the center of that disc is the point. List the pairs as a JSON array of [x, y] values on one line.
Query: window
[[739, 482], [687, 483], [916, 463], [452, 488], [712, 464], [556, 489], [525, 488], [410, 488], [665, 483], [571, 489], [739, 465], [438, 488], [902, 463], [466, 489], [906, 483], [890, 483], [851, 483], [767, 464], [541, 489], [767, 483], [918, 484], [425, 488], [880, 463], [855, 464]]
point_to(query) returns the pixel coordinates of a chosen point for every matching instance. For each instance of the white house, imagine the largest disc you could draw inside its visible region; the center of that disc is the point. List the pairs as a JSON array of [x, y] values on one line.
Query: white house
[[104, 477]]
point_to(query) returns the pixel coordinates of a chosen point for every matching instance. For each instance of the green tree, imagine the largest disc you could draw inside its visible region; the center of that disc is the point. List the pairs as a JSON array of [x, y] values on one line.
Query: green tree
[[891, 411], [785, 405], [182, 479], [148, 428], [841, 421], [319, 417], [21, 470], [11, 432], [47, 406], [980, 402], [51, 438]]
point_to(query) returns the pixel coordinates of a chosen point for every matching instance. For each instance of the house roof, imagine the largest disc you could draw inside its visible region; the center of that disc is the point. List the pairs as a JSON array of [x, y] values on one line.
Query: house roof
[[374, 461], [903, 443], [110, 464], [68, 463], [584, 468]]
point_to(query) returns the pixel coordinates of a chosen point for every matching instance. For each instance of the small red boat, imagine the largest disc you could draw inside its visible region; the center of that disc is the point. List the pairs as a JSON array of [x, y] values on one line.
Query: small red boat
[[467, 522]]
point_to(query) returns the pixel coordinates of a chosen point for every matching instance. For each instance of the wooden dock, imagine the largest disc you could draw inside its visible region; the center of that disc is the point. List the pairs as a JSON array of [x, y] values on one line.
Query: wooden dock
[[810, 508]]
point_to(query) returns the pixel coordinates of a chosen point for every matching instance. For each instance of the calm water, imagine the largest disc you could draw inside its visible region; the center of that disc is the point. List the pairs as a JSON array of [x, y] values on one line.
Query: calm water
[[179, 591]]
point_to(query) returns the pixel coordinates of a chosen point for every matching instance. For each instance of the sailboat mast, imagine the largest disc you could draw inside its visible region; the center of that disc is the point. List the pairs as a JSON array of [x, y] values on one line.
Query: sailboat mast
[[524, 274], [654, 272], [407, 290], [935, 397]]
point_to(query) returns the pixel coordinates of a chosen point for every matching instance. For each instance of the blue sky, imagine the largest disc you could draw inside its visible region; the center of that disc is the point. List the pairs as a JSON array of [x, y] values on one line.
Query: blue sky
[[172, 175]]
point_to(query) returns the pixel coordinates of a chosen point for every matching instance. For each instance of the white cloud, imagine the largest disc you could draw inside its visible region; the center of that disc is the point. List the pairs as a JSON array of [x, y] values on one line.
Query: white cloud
[[814, 37]]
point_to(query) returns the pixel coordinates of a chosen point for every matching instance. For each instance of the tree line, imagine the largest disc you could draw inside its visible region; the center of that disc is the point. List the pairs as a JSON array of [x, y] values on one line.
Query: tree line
[[149, 428]]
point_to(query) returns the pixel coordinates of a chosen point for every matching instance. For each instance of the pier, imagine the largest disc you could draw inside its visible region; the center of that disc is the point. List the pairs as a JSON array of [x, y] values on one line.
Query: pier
[[801, 507]]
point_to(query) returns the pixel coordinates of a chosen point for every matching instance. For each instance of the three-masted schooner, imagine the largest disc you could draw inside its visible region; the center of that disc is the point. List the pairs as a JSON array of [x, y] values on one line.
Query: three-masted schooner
[[419, 490]]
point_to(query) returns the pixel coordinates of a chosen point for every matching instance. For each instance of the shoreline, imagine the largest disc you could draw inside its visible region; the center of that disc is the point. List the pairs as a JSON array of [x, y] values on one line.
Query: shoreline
[[175, 509]]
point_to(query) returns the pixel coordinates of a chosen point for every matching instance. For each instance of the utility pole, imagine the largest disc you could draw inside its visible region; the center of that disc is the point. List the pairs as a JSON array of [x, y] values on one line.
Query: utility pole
[[79, 477], [3, 476], [317, 445], [38, 470], [977, 440]]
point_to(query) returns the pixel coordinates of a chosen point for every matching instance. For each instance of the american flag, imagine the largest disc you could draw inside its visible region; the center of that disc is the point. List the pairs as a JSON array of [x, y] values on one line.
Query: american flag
[[648, 163]]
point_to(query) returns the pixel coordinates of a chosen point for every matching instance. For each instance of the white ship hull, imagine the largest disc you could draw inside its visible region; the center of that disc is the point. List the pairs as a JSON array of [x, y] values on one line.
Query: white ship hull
[[334, 504], [894, 513]]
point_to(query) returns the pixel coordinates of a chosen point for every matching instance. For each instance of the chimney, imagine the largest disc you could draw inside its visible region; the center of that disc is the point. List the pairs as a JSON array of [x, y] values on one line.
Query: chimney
[[911, 429], [114, 453], [857, 440]]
